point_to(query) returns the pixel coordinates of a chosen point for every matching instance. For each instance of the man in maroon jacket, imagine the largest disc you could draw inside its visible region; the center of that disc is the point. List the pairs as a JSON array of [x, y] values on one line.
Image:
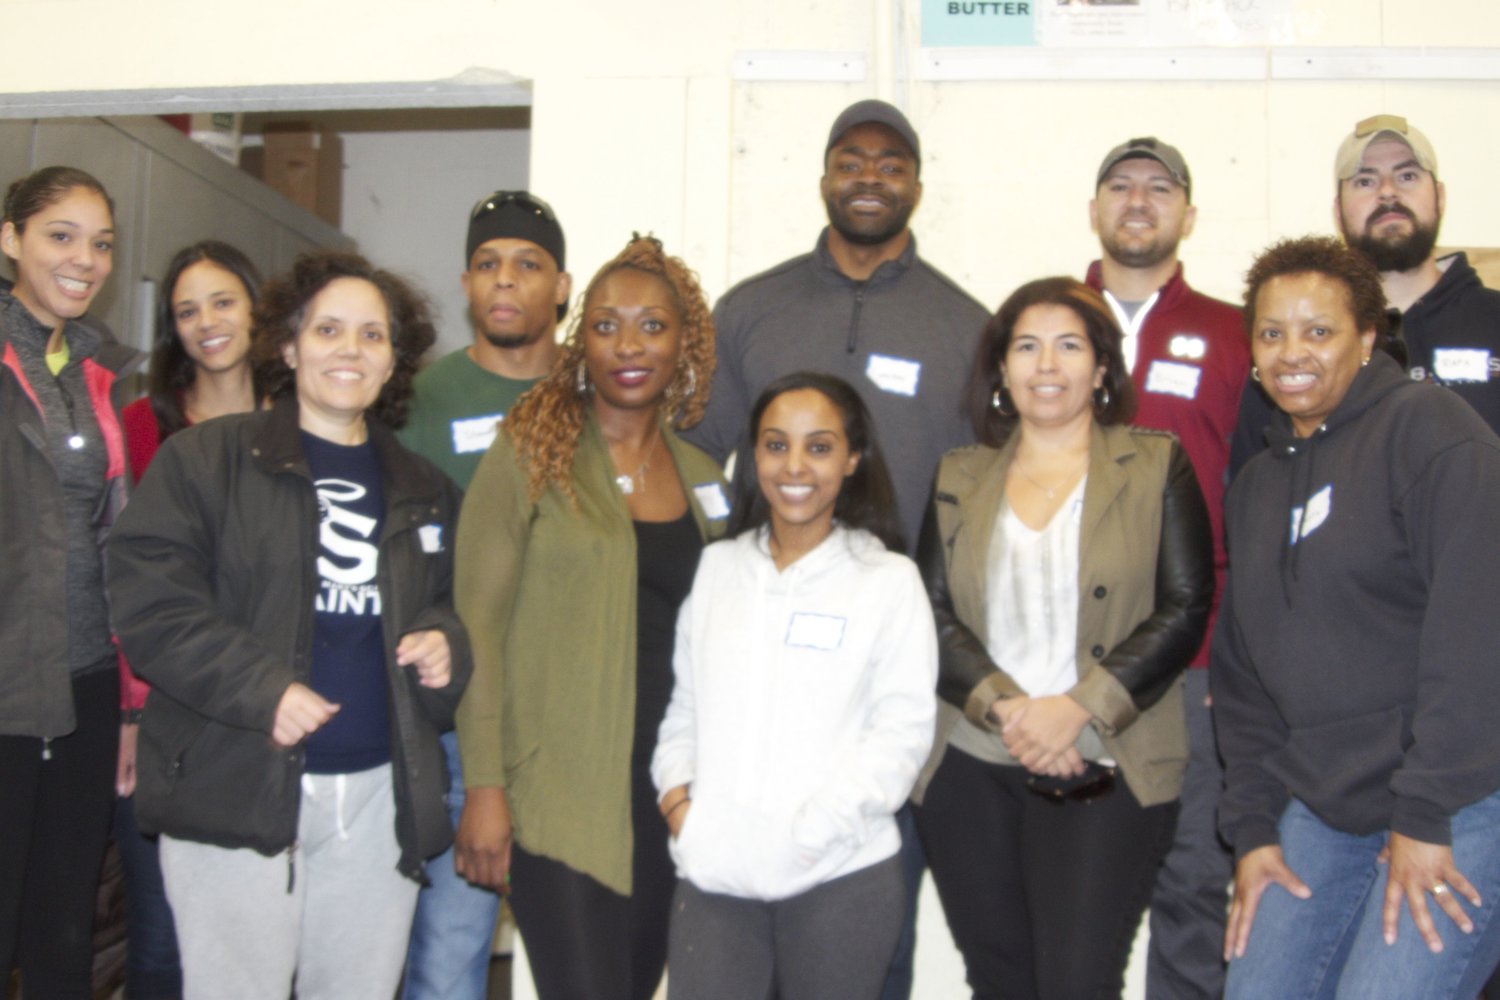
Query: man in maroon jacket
[[1189, 357]]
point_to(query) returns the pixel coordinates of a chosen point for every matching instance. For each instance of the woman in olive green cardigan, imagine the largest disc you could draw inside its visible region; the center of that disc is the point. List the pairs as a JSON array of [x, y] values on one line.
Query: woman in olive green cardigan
[[579, 537]]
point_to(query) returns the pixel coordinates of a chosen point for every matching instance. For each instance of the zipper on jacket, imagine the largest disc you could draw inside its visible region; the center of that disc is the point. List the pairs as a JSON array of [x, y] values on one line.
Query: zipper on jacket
[[46, 748], [859, 302]]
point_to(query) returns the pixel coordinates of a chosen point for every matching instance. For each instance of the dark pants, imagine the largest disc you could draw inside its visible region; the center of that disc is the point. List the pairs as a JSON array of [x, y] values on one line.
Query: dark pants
[[153, 969], [1185, 960], [832, 942], [898, 979], [586, 942], [1043, 897], [55, 801]]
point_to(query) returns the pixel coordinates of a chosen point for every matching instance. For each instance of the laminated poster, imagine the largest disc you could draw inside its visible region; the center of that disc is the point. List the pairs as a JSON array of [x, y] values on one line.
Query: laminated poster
[[1104, 23]]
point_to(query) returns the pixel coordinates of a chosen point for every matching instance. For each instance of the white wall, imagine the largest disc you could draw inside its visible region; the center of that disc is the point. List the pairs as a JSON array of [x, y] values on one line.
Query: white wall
[[407, 196], [638, 122]]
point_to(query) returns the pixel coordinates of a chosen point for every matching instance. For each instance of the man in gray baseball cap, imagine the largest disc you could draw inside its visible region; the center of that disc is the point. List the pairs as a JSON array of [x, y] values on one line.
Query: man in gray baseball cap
[[1189, 359]]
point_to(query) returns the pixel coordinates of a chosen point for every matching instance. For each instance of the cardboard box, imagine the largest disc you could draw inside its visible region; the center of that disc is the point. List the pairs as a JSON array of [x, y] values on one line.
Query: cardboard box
[[306, 165]]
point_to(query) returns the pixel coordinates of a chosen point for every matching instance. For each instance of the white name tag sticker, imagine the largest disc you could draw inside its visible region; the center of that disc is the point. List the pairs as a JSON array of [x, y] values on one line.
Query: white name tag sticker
[[896, 375], [1461, 364], [432, 537], [711, 498], [1172, 379], [475, 433], [815, 631], [1318, 507]]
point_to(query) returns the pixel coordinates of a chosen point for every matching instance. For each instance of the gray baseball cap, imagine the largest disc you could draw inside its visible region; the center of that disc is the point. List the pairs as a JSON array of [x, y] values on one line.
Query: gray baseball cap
[[1149, 148], [1351, 154]]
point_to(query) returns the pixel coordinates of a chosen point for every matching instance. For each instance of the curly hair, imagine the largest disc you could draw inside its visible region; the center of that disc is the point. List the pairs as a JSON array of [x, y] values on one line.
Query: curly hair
[[279, 315], [172, 370], [1331, 258], [991, 426], [547, 422]]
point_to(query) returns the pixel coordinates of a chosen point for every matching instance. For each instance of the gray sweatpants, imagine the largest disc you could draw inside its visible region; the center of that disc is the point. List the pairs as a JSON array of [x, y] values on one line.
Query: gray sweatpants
[[833, 942], [341, 927]]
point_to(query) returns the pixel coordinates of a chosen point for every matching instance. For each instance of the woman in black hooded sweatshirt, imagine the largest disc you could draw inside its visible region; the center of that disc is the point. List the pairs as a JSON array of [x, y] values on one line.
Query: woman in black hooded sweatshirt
[[1356, 665]]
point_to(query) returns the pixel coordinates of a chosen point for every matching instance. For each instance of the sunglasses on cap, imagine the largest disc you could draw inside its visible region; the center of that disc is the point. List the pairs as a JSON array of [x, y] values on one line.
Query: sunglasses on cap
[[499, 199]]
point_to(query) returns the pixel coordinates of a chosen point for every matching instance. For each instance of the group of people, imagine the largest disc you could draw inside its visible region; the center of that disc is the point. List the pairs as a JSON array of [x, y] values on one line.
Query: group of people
[[390, 642]]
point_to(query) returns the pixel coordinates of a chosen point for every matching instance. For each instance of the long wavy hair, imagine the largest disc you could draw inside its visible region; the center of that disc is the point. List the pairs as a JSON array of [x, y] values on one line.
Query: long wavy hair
[[283, 307], [547, 422], [172, 370]]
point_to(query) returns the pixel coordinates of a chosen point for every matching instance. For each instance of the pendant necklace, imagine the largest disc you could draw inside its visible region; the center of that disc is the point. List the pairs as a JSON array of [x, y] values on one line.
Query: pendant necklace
[[628, 482]]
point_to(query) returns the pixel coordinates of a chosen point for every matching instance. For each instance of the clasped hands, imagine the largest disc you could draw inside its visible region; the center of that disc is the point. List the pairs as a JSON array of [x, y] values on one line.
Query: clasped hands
[[1041, 733]]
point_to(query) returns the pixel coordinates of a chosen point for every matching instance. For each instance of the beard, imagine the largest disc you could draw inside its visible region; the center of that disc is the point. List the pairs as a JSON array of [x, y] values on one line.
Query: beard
[[1137, 255], [1399, 251], [504, 341], [867, 232]]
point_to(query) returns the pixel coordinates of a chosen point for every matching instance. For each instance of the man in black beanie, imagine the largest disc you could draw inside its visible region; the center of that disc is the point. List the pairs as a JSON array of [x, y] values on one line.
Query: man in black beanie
[[518, 288]]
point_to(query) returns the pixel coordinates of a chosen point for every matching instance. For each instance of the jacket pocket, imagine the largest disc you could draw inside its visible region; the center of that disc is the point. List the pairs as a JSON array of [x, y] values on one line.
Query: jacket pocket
[[166, 736]]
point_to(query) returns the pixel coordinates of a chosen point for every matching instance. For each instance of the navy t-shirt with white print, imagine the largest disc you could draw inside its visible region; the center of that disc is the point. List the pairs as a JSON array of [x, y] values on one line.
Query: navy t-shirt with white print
[[348, 662]]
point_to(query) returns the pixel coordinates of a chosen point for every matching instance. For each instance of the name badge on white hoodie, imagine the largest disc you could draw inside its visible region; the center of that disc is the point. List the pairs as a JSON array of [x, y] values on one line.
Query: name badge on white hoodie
[[815, 631]]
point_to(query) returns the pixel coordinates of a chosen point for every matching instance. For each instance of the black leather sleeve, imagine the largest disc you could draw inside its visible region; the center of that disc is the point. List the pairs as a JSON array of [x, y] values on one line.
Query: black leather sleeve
[[963, 662], [1156, 651]]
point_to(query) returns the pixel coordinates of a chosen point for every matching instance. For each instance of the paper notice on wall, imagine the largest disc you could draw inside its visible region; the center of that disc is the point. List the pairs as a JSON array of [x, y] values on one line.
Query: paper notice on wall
[[1106, 23]]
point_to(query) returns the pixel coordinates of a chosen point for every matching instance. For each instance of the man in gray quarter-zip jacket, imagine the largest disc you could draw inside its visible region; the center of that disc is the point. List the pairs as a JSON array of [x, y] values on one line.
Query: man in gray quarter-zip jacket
[[865, 307], [862, 306]]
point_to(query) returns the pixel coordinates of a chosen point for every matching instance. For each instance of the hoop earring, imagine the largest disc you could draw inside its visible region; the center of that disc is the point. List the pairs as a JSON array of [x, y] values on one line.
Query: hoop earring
[[1101, 404], [1254, 373], [583, 379], [692, 383], [997, 403]]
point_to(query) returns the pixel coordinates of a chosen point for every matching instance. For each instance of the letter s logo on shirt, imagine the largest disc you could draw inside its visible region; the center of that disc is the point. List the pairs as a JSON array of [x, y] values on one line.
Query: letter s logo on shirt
[[345, 533]]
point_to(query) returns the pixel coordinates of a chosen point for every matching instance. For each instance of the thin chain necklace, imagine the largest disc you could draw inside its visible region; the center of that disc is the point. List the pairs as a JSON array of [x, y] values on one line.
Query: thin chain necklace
[[1050, 491], [629, 483]]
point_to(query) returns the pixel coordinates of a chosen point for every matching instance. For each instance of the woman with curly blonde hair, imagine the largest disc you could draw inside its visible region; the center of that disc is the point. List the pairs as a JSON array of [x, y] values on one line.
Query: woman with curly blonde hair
[[579, 538]]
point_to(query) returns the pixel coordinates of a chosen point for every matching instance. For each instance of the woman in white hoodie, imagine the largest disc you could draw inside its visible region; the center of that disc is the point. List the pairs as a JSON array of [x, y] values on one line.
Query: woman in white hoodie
[[803, 710]]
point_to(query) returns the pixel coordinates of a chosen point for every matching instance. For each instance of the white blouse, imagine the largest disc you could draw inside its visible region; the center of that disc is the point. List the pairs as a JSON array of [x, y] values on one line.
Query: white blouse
[[1031, 589]]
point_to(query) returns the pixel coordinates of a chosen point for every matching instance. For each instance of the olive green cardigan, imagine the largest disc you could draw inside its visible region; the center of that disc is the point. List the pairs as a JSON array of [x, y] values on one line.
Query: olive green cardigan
[[548, 594]]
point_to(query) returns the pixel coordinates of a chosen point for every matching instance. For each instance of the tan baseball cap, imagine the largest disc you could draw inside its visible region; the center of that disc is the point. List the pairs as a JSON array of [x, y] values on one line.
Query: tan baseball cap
[[1352, 149]]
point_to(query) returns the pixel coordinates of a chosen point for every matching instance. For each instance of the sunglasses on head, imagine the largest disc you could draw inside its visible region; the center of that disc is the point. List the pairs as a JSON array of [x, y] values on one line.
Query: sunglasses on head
[[499, 199]]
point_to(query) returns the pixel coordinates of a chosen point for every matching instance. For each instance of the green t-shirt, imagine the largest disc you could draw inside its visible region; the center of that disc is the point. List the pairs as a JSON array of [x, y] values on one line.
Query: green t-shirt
[[456, 407]]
